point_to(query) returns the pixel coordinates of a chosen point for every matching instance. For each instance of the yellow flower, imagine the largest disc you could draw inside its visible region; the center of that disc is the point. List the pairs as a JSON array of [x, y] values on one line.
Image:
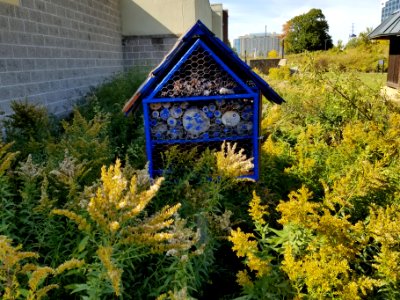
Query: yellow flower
[[232, 164], [79, 220], [43, 291], [384, 224], [11, 256], [299, 210], [242, 243], [244, 247], [388, 264], [257, 211], [117, 201], [39, 274], [114, 226], [70, 264], [243, 279], [114, 273], [260, 266]]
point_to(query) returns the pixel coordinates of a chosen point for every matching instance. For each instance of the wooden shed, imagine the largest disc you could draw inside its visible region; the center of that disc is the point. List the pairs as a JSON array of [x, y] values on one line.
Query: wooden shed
[[389, 29], [200, 95]]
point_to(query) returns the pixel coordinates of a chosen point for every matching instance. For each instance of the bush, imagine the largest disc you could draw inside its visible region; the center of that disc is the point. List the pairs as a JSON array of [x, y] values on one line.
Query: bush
[[281, 73], [272, 54], [331, 146], [30, 127], [361, 58], [322, 222]]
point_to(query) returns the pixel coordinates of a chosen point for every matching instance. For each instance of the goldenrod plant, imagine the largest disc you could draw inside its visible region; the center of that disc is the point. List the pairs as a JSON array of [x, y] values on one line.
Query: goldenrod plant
[[7, 212], [115, 218], [273, 54], [262, 277], [6, 157], [325, 256], [21, 279], [334, 143], [85, 141], [322, 223], [232, 163]]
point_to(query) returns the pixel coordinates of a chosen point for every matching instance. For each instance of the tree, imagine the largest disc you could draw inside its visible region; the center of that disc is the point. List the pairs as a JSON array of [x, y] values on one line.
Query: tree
[[361, 40], [307, 32]]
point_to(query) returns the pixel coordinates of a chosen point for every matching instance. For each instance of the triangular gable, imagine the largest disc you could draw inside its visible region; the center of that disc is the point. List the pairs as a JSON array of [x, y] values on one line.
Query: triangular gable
[[200, 32], [199, 73]]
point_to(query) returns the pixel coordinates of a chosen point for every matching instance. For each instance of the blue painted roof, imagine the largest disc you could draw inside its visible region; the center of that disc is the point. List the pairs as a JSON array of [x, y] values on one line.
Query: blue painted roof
[[200, 31]]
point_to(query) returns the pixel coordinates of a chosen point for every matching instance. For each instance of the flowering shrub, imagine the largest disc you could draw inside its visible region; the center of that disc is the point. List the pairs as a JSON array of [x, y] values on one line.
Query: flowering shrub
[[113, 215], [322, 221], [13, 267], [332, 146]]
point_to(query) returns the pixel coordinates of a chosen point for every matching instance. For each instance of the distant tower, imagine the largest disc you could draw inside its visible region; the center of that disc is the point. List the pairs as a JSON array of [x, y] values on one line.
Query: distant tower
[[352, 35], [389, 7]]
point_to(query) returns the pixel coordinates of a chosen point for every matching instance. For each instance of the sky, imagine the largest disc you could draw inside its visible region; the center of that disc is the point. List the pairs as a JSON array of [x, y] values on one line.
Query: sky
[[252, 16]]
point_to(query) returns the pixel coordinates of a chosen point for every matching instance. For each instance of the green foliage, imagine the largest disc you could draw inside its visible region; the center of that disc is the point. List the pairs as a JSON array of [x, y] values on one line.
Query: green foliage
[[125, 133], [58, 160], [85, 141], [260, 251], [362, 40], [334, 136], [30, 127], [331, 152], [307, 32], [362, 57], [206, 185]]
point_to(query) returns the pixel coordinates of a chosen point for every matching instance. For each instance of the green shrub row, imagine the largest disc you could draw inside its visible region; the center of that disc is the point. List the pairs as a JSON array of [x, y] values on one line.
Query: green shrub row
[[361, 58]]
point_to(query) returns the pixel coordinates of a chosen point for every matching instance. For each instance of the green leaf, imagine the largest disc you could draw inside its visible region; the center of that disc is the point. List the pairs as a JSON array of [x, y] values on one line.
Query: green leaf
[[77, 287], [83, 243]]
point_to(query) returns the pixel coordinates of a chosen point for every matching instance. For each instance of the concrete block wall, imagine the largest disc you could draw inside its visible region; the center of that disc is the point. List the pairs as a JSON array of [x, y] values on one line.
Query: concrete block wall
[[264, 64], [146, 52], [53, 51]]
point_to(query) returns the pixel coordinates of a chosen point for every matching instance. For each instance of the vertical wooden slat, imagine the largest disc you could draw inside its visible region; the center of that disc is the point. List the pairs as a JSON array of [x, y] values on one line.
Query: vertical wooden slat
[[394, 63]]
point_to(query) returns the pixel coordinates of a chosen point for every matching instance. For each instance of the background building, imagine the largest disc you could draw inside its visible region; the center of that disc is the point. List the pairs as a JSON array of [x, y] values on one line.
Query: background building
[[258, 44], [52, 52], [389, 7], [236, 45]]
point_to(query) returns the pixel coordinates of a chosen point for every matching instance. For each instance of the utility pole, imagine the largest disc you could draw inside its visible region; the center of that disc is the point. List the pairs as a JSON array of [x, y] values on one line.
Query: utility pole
[[266, 41]]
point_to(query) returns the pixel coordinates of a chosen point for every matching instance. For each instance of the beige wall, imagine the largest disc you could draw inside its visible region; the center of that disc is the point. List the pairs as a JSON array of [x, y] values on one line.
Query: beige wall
[[160, 17], [204, 12], [217, 11]]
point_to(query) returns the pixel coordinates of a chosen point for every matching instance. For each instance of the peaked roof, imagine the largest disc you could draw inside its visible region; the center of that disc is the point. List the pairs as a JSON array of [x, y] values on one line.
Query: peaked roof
[[389, 27], [199, 31]]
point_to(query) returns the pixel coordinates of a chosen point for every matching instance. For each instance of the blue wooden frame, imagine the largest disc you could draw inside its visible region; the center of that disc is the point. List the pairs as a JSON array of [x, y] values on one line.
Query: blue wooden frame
[[255, 137], [251, 85], [250, 93]]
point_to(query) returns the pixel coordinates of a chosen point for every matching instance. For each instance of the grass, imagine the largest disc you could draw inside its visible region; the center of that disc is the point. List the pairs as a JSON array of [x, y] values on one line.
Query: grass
[[373, 80]]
